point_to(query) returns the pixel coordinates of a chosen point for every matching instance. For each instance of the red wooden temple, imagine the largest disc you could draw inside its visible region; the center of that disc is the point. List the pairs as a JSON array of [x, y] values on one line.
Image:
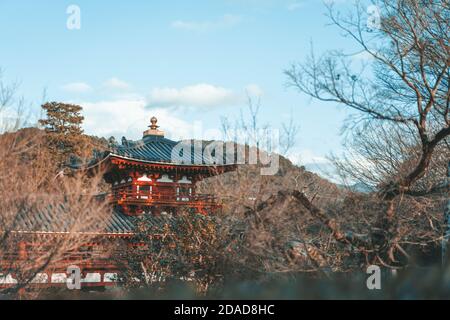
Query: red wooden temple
[[144, 179]]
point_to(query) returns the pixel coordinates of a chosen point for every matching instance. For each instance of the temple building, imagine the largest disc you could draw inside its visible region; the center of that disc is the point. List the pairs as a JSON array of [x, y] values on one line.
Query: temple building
[[145, 177]]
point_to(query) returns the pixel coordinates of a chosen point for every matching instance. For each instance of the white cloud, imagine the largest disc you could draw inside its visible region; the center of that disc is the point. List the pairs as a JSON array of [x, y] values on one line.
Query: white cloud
[[226, 21], [315, 163], [295, 6], [200, 95], [130, 118], [362, 56], [333, 2], [306, 156], [77, 87], [106, 118], [116, 84], [253, 90], [129, 114]]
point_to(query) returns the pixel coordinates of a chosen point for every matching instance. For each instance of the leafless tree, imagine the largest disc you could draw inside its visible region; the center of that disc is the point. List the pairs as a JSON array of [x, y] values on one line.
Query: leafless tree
[[44, 217], [248, 129], [272, 234], [12, 106], [405, 97]]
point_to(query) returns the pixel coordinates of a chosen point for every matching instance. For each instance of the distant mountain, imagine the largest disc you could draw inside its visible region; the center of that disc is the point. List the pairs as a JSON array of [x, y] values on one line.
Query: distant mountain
[[328, 172], [357, 187], [325, 170]]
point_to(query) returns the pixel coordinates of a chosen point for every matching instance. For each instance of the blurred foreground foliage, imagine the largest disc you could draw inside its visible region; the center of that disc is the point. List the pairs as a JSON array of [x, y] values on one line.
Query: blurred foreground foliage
[[426, 283]]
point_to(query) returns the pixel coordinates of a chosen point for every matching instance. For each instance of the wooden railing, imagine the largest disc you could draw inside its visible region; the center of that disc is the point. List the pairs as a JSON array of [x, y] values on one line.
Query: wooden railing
[[163, 198]]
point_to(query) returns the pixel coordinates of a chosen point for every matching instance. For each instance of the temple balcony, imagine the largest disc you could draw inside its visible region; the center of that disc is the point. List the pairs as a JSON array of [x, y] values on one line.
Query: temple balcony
[[164, 199]]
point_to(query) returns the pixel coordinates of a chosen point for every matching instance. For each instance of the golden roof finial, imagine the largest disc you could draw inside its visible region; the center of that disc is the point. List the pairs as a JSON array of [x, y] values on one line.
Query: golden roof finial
[[153, 131], [153, 122]]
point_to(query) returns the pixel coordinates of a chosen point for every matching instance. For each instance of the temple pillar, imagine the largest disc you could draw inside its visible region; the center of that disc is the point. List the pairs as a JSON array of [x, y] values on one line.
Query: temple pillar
[[22, 250]]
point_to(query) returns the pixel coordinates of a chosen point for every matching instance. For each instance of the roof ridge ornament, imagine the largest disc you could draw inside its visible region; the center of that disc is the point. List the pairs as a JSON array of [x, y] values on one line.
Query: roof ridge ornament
[[153, 122], [153, 131]]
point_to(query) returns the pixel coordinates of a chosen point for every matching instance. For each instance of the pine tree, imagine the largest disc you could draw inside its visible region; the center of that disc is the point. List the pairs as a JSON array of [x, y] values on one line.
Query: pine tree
[[63, 128]]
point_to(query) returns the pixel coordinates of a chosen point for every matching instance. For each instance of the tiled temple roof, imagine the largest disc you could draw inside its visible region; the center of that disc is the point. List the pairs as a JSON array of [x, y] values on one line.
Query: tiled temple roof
[[157, 150], [57, 221], [154, 149]]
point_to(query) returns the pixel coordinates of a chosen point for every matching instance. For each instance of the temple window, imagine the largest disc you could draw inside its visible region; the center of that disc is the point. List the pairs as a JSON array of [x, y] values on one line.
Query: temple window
[[145, 189], [165, 178], [184, 180], [144, 178]]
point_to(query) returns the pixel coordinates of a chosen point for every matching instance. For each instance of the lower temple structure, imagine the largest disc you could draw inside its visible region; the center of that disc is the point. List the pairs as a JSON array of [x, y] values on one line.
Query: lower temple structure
[[153, 176]]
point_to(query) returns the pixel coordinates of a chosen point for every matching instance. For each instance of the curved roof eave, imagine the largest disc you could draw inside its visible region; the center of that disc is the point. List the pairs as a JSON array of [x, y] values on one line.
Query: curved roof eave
[[166, 163]]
